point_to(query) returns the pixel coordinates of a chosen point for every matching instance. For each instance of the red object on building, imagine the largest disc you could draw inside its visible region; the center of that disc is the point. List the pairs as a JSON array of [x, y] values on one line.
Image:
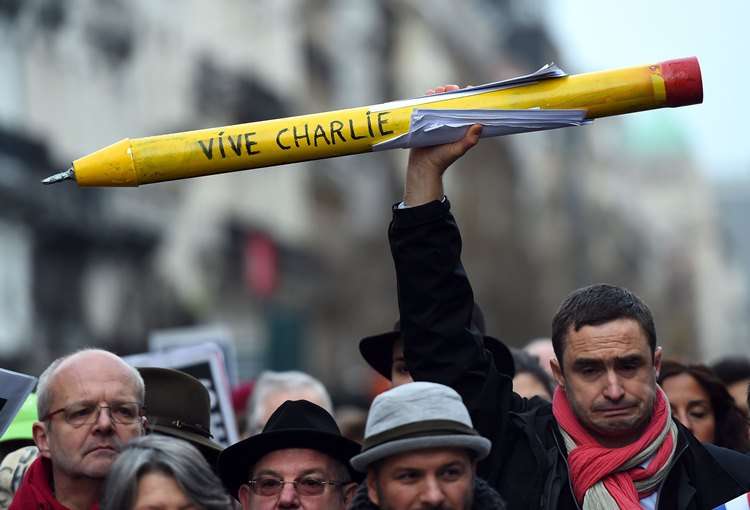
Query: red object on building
[[261, 264]]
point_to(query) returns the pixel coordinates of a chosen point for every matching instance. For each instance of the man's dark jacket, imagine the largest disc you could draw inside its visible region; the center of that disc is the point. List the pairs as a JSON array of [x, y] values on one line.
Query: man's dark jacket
[[528, 463]]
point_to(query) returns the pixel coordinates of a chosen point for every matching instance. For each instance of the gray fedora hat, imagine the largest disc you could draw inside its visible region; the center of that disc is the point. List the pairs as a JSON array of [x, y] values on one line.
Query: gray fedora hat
[[417, 416]]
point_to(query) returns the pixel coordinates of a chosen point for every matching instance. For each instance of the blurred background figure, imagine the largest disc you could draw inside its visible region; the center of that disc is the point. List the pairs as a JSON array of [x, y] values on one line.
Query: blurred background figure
[[178, 405], [385, 352], [157, 472], [701, 402], [240, 397], [542, 350], [531, 380], [274, 388], [734, 372], [17, 450], [12, 470], [351, 421]]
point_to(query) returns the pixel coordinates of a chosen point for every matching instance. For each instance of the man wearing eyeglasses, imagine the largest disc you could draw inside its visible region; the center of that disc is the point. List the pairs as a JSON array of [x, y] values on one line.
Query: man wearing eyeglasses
[[90, 404], [300, 460]]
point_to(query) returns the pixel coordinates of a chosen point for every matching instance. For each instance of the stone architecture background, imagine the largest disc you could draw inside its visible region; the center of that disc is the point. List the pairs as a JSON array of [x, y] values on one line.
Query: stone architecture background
[[294, 260]]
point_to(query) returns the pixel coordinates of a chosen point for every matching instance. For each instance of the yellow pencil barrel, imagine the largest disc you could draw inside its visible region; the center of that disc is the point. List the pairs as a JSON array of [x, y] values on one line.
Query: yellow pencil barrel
[[132, 162]]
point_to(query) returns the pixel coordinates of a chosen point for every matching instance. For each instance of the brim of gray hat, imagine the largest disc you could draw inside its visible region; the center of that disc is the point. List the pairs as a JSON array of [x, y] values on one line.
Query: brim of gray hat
[[208, 448], [477, 444]]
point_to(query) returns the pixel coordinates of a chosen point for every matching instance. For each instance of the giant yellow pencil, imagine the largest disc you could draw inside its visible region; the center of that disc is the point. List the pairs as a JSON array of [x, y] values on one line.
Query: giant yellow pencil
[[136, 161]]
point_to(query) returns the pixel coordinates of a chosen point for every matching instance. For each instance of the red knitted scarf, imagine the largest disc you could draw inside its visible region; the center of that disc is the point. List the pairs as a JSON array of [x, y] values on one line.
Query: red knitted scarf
[[590, 462]]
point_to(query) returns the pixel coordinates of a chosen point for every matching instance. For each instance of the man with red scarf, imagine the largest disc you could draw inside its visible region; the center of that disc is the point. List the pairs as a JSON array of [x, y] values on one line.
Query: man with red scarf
[[608, 439], [89, 404]]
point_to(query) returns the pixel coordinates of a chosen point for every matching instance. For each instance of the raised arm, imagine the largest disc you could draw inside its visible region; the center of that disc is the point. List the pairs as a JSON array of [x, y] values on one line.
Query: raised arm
[[424, 173], [435, 297]]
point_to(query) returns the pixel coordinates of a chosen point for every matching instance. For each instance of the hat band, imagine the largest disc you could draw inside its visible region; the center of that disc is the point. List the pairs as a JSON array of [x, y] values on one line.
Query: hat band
[[195, 428], [418, 429]]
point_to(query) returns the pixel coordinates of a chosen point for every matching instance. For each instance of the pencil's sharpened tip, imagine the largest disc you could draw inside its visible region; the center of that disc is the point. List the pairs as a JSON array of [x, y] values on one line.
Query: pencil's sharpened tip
[[62, 176]]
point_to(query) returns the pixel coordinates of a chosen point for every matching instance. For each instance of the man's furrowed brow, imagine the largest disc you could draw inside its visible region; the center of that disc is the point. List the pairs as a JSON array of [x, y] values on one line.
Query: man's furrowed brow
[[587, 363], [627, 360], [630, 359]]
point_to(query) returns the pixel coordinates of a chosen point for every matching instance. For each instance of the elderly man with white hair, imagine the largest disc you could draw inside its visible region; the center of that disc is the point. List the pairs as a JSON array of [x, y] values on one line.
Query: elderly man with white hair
[[274, 388]]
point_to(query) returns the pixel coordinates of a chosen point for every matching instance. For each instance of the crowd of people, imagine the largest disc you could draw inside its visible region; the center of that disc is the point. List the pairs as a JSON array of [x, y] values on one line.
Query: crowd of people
[[595, 417]]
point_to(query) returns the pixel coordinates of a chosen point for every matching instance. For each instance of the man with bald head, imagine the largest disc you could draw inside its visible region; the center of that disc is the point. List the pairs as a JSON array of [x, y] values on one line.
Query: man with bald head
[[90, 404]]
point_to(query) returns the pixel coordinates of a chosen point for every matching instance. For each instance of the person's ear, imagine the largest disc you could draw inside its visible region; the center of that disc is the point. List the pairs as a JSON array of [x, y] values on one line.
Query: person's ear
[[41, 438], [372, 488], [557, 372], [244, 496], [349, 490], [657, 361]]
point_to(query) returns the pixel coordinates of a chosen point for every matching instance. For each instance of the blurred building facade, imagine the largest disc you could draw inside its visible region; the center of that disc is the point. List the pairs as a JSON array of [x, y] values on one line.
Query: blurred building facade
[[294, 259]]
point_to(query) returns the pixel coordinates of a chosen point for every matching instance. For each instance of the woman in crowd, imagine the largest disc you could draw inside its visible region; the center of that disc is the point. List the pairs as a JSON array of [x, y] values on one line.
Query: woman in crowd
[[701, 402], [530, 379], [163, 473]]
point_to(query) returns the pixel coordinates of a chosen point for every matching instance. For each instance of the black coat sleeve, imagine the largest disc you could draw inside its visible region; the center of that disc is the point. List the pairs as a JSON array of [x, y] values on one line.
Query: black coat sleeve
[[436, 303]]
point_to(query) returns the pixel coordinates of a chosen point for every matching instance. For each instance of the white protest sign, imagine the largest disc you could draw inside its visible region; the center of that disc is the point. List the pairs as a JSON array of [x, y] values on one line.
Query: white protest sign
[[165, 339], [204, 362]]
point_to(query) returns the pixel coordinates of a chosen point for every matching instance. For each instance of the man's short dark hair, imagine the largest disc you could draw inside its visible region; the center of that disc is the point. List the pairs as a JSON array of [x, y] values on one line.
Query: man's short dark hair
[[732, 370], [598, 304]]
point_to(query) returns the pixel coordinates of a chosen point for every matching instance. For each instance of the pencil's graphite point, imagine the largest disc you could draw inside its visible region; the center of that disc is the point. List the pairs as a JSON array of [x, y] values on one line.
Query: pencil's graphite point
[[62, 176]]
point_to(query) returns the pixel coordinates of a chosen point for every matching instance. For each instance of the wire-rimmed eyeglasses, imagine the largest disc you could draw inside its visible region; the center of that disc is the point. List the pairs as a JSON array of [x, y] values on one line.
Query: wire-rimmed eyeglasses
[[305, 486], [79, 414]]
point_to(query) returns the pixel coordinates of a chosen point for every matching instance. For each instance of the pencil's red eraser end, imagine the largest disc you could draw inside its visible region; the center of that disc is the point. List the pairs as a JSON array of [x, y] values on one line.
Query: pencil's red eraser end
[[682, 80]]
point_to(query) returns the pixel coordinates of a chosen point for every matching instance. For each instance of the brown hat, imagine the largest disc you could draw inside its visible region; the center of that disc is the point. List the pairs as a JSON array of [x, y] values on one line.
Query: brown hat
[[178, 405], [378, 349]]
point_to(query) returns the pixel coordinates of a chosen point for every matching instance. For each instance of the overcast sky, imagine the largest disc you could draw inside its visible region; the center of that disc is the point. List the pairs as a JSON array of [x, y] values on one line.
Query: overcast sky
[[597, 35]]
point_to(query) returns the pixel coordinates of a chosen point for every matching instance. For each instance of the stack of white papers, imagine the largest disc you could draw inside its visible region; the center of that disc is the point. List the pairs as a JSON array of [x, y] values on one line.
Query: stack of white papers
[[545, 72], [435, 127]]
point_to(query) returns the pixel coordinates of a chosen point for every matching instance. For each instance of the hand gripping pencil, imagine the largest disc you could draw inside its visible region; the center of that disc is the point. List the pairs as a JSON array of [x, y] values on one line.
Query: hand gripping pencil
[[512, 106]]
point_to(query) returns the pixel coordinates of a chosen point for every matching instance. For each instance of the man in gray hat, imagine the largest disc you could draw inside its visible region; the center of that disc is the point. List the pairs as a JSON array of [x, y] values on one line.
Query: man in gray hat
[[420, 452]]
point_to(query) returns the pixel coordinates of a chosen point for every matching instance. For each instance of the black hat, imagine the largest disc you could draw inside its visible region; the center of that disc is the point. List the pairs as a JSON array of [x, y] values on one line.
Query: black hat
[[295, 424], [378, 349], [178, 405]]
